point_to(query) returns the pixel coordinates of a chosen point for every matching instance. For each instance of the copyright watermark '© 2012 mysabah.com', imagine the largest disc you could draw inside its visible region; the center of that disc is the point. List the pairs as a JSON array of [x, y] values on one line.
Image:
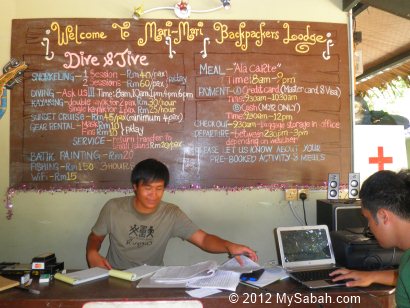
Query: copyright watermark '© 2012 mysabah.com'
[[291, 299]]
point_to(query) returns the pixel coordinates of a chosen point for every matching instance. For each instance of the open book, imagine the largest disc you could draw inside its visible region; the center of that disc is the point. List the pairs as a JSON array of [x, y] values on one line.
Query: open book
[[83, 276], [134, 273]]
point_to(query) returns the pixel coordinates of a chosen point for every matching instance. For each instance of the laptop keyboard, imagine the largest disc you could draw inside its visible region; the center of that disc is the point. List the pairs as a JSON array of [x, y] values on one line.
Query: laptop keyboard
[[313, 275]]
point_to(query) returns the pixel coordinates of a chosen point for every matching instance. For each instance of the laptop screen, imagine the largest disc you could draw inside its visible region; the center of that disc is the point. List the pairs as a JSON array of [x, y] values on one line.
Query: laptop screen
[[306, 245]]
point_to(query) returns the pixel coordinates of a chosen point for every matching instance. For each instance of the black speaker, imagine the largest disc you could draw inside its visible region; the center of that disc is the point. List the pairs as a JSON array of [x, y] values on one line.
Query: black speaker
[[340, 215], [354, 185], [333, 184]]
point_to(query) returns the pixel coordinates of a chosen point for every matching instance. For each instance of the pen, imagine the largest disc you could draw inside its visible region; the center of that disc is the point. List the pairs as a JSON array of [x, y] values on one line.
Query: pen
[[33, 291]]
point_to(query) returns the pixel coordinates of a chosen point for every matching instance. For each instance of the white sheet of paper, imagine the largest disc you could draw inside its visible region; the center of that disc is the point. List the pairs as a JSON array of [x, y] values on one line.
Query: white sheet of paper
[[233, 265], [223, 280], [200, 293], [270, 275]]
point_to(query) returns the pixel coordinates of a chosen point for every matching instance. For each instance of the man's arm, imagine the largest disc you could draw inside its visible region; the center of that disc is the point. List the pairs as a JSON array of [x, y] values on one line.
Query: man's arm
[[93, 247], [214, 244], [364, 279]]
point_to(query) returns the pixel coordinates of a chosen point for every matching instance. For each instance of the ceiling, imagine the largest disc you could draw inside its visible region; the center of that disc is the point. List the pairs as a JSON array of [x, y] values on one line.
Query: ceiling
[[384, 27]]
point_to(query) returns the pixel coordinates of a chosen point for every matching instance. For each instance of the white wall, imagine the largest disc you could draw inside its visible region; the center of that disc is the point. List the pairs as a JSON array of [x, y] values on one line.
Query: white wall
[[60, 222]]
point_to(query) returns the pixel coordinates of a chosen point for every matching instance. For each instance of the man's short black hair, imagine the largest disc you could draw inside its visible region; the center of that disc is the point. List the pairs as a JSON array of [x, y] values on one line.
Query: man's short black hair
[[149, 170], [389, 190]]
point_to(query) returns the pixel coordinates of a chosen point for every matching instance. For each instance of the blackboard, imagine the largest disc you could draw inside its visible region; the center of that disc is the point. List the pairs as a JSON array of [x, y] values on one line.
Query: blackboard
[[221, 103]]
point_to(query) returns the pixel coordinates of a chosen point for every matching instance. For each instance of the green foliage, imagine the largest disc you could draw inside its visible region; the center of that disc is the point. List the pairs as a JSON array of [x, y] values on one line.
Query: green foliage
[[388, 93]]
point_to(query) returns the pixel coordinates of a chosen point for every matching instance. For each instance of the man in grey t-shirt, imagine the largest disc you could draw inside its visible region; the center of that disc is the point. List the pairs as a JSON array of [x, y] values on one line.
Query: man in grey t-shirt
[[140, 226]]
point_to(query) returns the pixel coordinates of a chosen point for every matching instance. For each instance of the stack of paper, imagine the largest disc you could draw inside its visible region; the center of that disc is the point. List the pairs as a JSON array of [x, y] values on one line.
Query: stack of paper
[[180, 274], [204, 275], [223, 280]]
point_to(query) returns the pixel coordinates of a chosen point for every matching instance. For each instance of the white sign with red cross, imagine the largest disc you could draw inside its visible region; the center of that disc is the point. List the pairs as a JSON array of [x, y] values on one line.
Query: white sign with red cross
[[378, 147]]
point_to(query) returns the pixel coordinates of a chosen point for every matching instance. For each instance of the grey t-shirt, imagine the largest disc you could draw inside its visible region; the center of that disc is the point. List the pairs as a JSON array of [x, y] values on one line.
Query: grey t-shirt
[[137, 239]]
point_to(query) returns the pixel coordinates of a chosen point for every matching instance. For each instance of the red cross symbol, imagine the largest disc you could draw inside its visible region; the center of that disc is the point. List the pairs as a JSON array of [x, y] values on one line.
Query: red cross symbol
[[380, 159]]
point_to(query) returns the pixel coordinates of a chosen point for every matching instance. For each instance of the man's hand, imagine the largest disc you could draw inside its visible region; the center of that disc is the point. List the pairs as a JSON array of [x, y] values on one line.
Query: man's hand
[[215, 244], [364, 278], [237, 250]]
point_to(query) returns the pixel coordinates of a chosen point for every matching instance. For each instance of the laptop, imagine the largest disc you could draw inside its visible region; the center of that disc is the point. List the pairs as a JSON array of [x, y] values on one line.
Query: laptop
[[306, 254]]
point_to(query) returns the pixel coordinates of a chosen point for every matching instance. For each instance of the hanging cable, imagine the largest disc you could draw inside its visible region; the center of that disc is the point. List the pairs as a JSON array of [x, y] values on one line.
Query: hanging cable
[[294, 213], [303, 197]]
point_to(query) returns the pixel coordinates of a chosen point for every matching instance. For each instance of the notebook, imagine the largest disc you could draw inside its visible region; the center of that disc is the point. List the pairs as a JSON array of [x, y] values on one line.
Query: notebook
[[305, 253], [82, 276], [135, 273]]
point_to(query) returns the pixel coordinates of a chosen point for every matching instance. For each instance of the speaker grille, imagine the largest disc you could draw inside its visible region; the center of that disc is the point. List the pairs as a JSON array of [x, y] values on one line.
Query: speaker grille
[[333, 186], [354, 185]]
